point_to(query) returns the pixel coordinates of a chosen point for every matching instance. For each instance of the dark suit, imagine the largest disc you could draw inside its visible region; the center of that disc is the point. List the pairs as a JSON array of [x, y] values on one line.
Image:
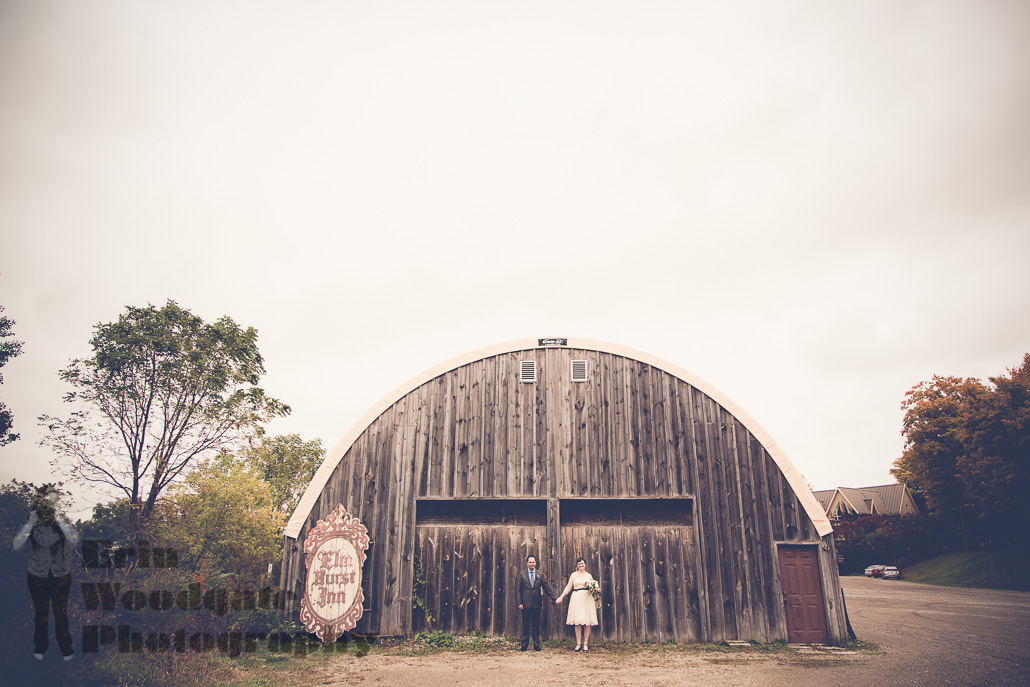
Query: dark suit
[[530, 597]]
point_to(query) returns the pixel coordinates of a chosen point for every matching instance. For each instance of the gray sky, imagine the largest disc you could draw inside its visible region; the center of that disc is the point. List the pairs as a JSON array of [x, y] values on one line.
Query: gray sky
[[811, 205]]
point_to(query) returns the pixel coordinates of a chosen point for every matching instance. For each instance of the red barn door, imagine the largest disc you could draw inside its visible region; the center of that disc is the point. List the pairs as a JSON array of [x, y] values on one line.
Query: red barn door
[[802, 594]]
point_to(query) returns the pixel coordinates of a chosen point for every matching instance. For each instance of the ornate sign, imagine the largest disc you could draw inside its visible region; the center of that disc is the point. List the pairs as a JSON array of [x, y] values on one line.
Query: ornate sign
[[335, 551]]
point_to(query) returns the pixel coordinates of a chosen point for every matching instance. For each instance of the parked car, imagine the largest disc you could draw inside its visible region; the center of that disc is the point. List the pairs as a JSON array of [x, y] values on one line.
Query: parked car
[[889, 572], [874, 570]]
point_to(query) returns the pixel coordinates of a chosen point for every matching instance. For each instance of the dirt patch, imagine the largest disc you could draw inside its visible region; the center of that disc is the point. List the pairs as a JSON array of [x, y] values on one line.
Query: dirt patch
[[917, 635]]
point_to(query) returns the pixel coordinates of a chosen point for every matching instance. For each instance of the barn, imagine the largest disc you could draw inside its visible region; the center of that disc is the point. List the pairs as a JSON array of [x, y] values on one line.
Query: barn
[[691, 517]]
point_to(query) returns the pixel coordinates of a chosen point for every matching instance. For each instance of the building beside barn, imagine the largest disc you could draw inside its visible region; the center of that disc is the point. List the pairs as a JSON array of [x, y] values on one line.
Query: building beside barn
[[692, 519], [887, 499]]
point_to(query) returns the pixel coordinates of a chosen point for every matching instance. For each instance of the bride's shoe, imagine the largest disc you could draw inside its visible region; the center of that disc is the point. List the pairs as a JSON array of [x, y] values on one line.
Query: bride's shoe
[[578, 648]]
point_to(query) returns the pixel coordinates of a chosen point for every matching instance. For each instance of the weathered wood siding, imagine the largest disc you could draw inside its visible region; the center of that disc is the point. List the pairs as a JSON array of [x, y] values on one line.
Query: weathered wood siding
[[632, 431]]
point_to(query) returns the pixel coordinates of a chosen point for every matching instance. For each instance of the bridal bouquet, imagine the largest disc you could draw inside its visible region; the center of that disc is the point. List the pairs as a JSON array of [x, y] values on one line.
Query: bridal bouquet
[[595, 591]]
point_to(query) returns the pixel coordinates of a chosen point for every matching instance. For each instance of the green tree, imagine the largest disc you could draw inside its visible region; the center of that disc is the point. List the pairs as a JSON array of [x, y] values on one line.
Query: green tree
[[8, 350], [221, 517], [286, 463], [161, 390]]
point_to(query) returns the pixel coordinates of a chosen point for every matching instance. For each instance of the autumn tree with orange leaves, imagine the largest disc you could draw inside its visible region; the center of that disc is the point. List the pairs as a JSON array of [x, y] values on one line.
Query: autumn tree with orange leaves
[[967, 451]]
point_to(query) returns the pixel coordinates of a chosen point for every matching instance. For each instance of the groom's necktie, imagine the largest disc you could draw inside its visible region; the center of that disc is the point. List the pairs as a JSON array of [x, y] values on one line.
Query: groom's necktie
[[532, 578]]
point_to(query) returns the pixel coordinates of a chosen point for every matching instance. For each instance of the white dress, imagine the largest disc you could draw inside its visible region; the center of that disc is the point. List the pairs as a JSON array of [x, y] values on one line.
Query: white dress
[[582, 610]]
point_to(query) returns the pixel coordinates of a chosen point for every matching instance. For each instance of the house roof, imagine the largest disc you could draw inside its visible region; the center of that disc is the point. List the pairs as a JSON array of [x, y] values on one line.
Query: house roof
[[824, 497], [885, 499], [890, 495]]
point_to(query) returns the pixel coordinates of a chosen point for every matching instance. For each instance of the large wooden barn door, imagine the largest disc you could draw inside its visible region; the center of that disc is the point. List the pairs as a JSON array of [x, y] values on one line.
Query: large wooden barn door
[[802, 594], [469, 576], [648, 588]]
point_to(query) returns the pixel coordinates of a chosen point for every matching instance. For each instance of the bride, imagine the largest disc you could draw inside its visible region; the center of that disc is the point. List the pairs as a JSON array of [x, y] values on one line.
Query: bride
[[582, 612]]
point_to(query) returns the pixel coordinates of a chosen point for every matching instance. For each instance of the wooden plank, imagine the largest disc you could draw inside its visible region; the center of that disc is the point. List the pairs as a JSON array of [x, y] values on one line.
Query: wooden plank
[[435, 573], [580, 458], [735, 516], [621, 431], [402, 515], [420, 486], [592, 558], [543, 475], [446, 589], [487, 433], [463, 468], [695, 448], [790, 511], [360, 461], [726, 516], [513, 564], [665, 450], [773, 480], [592, 426], [450, 418], [475, 428], [463, 574], [438, 438], [385, 546], [418, 621], [533, 432], [561, 393], [637, 555], [749, 500], [631, 474], [653, 599], [680, 413], [645, 432], [605, 433], [605, 576], [500, 431], [708, 468], [773, 584], [516, 457], [665, 593], [499, 580], [764, 537]]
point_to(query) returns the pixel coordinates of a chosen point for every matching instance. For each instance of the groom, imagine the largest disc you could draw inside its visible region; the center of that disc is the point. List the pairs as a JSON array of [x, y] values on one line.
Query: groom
[[528, 593]]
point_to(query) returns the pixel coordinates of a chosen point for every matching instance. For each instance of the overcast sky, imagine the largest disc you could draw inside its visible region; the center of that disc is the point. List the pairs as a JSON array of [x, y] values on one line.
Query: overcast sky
[[811, 205]]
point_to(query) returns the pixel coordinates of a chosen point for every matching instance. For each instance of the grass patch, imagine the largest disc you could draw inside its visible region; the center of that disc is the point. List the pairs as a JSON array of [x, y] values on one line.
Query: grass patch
[[982, 569]]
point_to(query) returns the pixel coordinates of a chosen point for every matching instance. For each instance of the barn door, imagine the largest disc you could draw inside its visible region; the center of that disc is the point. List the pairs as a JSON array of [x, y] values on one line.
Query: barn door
[[648, 590], [468, 576], [802, 594]]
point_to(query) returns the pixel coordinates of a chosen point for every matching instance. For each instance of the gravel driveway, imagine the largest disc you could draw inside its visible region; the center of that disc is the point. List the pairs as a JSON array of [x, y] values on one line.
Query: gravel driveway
[[926, 636]]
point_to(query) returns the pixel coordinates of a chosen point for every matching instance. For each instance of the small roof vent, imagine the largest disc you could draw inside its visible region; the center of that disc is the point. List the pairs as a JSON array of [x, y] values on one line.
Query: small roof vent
[[527, 371], [579, 370]]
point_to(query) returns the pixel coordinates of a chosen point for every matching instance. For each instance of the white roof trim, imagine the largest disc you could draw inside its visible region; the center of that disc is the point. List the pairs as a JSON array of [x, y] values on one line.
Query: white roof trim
[[333, 458]]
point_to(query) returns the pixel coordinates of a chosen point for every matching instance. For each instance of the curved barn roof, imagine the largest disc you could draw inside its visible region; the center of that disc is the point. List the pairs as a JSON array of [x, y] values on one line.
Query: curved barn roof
[[333, 458]]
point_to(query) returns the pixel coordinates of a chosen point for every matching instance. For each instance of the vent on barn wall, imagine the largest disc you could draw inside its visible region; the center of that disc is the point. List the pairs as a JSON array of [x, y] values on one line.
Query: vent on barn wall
[[579, 370], [527, 371]]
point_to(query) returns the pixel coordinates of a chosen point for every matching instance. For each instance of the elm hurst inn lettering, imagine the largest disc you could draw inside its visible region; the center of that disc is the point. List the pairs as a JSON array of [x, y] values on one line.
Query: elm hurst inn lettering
[[323, 579]]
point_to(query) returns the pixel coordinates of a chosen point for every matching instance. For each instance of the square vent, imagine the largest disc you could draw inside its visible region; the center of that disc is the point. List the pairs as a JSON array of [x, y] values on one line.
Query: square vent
[[579, 370], [527, 371]]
